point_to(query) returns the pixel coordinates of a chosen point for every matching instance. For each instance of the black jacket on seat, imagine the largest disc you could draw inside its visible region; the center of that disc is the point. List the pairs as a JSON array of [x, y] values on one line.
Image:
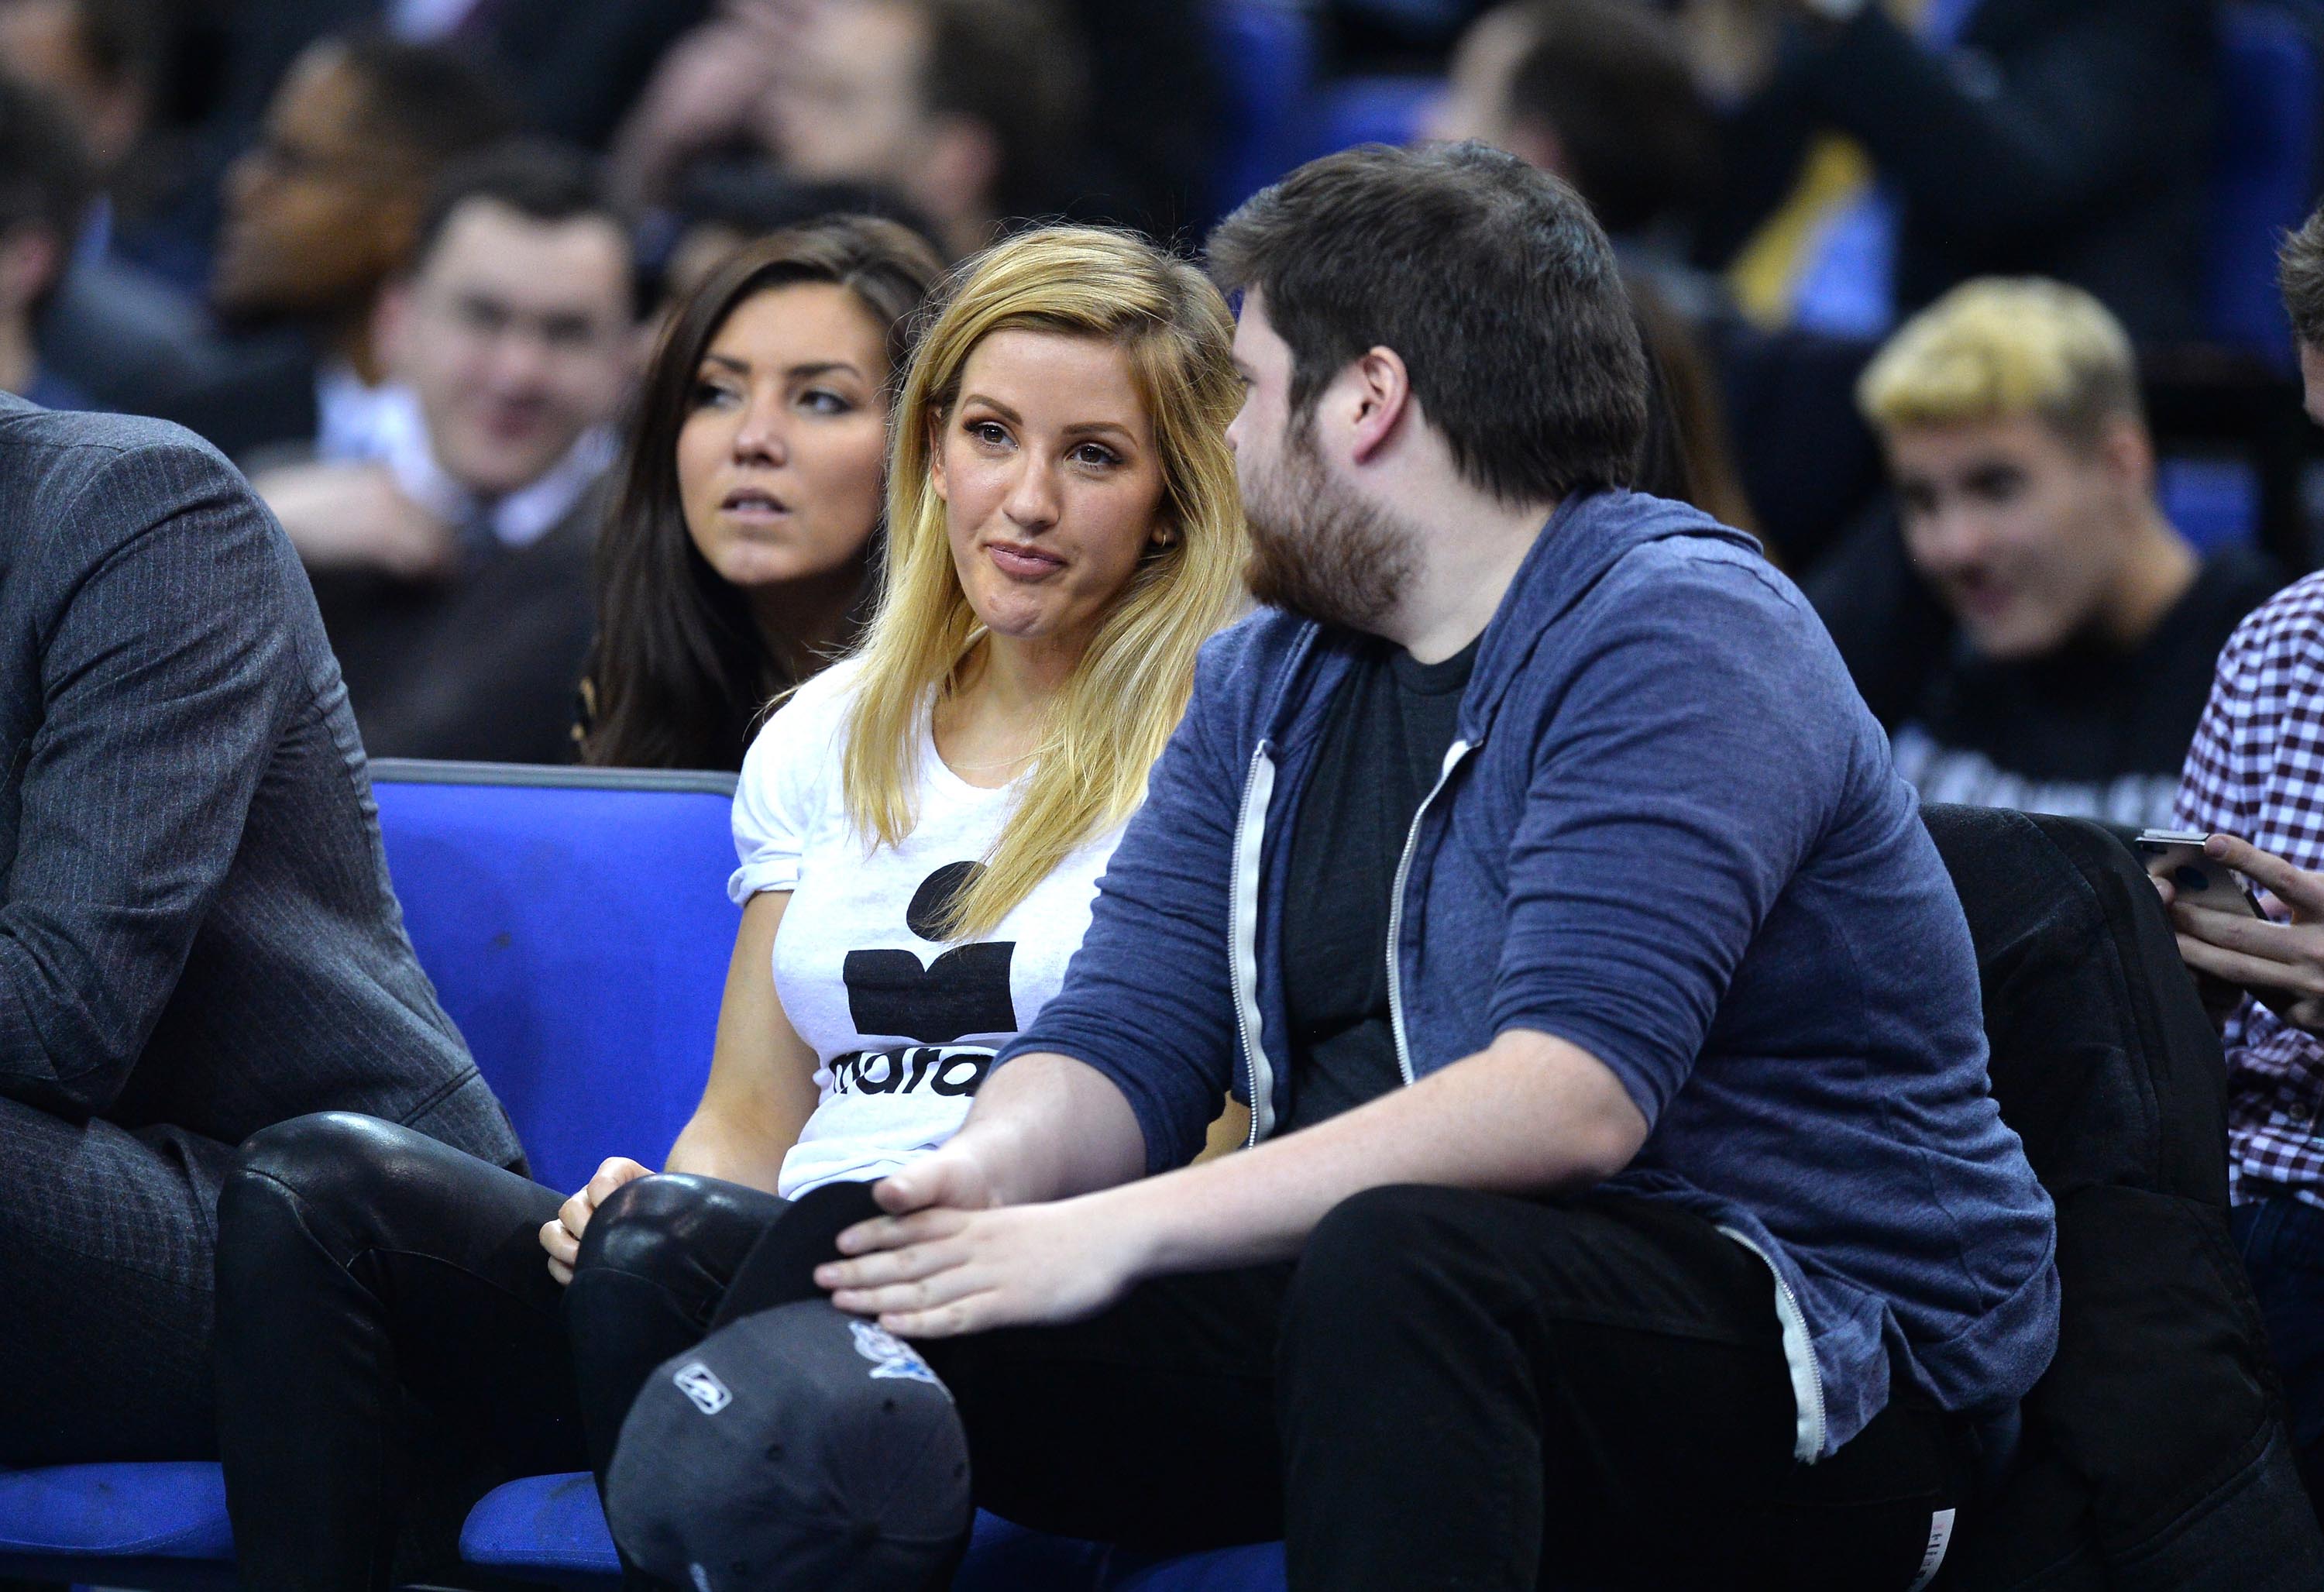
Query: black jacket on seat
[[2153, 1453]]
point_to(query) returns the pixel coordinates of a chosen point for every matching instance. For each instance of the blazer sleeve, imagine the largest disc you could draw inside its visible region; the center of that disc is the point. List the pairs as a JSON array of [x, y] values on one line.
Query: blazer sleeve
[[166, 674]]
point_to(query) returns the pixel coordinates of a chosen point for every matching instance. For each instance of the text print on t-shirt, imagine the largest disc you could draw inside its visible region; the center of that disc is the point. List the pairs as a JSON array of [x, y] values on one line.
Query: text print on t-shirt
[[964, 990]]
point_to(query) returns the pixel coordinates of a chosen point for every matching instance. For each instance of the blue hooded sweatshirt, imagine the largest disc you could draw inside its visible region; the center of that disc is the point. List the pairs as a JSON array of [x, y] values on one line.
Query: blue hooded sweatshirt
[[1668, 831]]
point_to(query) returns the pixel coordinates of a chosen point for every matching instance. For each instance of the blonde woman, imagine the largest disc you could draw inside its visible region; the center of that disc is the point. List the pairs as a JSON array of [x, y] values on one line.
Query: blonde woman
[[920, 831]]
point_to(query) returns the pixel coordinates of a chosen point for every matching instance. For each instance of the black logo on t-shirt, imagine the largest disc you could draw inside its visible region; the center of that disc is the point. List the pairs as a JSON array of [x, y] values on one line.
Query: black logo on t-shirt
[[964, 990]]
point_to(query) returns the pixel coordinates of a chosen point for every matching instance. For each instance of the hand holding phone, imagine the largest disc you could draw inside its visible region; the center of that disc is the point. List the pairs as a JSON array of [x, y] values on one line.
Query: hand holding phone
[[2281, 963], [2196, 878]]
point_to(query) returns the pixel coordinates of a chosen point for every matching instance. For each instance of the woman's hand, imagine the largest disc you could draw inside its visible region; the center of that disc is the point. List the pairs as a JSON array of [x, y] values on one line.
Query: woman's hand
[[942, 1271], [2282, 964], [562, 1237]]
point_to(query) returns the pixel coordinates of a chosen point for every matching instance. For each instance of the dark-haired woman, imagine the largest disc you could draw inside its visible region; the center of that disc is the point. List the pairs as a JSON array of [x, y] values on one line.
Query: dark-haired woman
[[737, 556]]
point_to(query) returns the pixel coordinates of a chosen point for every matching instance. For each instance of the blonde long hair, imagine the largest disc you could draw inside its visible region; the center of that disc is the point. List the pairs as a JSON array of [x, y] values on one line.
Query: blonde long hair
[[1126, 695]]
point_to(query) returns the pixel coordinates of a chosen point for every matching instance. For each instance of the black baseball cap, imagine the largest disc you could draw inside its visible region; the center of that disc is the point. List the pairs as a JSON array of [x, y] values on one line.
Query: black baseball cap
[[796, 1448]]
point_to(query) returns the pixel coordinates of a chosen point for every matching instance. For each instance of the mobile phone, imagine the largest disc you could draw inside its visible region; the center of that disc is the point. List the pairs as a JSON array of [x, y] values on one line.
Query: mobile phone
[[2177, 855]]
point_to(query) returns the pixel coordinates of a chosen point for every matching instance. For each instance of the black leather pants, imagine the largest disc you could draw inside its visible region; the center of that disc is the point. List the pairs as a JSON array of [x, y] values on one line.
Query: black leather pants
[[391, 1344]]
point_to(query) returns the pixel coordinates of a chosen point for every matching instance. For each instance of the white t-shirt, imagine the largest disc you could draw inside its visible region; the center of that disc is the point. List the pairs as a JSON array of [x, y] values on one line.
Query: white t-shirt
[[904, 1027]]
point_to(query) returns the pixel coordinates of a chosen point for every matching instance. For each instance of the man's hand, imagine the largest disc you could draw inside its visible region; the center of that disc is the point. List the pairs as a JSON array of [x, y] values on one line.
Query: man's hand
[[354, 516], [952, 1179], [2282, 964], [941, 1273], [562, 1236]]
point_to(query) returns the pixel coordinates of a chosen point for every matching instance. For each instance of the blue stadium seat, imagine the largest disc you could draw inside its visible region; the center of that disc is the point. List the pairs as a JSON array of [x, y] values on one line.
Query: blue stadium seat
[[2272, 104], [575, 926], [1266, 55], [150, 1526]]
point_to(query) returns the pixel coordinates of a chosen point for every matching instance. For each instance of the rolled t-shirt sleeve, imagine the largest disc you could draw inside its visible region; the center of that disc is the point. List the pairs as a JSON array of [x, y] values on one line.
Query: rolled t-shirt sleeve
[[791, 766], [1644, 865]]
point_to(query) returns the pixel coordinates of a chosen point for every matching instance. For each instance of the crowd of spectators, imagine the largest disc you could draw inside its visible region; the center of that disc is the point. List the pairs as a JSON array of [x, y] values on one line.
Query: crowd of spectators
[[531, 321], [405, 263]]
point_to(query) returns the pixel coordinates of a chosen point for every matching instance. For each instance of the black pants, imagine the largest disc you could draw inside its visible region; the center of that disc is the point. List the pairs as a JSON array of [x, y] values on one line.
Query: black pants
[[1448, 1390], [104, 1290], [1458, 1390], [391, 1346]]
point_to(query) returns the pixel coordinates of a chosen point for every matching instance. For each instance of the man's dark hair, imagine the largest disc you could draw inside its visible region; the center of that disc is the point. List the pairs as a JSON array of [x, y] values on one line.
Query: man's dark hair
[[539, 180], [2299, 269], [45, 179], [424, 103], [1609, 79], [1488, 277], [1018, 67]]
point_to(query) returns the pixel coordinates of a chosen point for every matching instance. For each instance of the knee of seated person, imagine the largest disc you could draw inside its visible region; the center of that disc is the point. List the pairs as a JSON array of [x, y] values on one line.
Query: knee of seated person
[[1370, 1240], [637, 1226], [328, 1158]]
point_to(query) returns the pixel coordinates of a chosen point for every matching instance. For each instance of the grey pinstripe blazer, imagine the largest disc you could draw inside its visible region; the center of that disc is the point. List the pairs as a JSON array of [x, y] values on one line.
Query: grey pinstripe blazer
[[196, 926]]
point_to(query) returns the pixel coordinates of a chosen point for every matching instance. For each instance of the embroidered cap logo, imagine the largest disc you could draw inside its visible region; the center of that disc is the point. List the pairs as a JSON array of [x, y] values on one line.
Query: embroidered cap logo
[[698, 1382]]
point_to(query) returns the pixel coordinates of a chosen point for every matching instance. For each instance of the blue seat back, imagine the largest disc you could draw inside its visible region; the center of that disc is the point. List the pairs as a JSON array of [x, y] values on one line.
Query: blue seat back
[[576, 926], [2271, 103], [1266, 55]]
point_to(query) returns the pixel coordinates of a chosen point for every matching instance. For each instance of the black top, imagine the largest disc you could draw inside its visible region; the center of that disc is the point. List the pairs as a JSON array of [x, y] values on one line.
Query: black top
[[1384, 744], [2087, 731], [196, 933], [480, 668]]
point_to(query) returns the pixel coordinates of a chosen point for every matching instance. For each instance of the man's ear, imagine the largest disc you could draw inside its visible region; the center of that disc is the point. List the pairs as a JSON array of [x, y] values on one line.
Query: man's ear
[[2126, 449], [1381, 396]]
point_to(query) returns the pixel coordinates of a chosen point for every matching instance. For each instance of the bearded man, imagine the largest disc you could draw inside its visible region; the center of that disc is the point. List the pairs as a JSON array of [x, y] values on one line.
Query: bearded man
[[1609, 1026]]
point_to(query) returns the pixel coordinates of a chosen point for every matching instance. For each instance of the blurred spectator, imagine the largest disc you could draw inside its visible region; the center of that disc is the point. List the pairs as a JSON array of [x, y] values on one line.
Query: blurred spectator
[[573, 66], [971, 111], [321, 213], [739, 554], [44, 186], [721, 206], [1601, 93], [116, 332], [453, 568], [2024, 479], [2067, 138]]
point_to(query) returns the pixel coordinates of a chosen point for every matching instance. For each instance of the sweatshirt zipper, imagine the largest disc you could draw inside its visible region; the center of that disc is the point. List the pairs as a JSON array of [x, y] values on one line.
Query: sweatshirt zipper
[[1799, 1358], [1453, 756], [1250, 830]]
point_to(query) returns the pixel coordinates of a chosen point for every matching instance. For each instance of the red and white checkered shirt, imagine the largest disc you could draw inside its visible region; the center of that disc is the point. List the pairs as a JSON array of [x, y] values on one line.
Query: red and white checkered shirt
[[2256, 770]]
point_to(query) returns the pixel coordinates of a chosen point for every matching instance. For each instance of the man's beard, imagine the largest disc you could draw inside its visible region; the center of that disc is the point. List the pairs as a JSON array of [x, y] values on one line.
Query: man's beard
[[1316, 550]]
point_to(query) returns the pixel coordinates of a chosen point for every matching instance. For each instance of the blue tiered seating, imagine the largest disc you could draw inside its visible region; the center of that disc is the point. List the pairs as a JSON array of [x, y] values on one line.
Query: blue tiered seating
[[2272, 109], [575, 926]]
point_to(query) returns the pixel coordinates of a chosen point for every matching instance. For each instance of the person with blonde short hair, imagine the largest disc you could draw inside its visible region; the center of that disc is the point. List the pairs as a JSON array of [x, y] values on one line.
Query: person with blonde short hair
[[921, 828], [2024, 479]]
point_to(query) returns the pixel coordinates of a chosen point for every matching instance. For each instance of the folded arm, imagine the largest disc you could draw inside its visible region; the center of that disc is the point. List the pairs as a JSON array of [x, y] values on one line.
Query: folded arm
[[1530, 1114], [165, 680]]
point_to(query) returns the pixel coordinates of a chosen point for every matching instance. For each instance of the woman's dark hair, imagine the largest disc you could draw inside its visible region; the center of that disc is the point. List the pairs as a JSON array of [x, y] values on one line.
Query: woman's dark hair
[[680, 671]]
